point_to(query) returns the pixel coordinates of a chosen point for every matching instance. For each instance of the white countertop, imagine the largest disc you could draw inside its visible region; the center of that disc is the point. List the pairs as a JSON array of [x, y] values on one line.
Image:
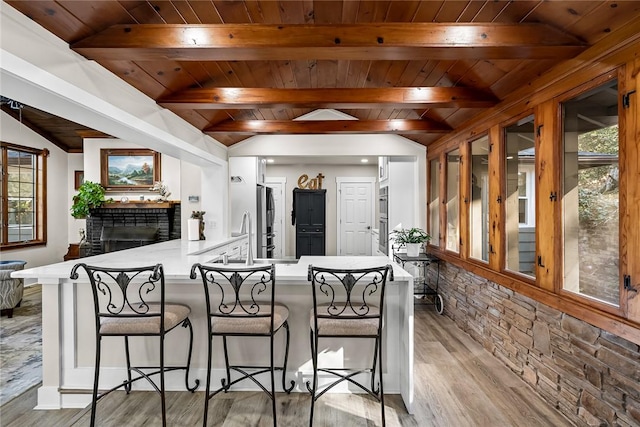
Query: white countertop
[[177, 257], [68, 323]]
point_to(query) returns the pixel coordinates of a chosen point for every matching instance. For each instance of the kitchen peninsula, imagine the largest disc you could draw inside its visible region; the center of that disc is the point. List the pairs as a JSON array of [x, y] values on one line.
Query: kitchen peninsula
[[68, 327]]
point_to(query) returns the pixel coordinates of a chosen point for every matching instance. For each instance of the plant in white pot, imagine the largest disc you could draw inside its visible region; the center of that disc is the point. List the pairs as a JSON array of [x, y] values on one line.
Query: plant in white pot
[[412, 238]]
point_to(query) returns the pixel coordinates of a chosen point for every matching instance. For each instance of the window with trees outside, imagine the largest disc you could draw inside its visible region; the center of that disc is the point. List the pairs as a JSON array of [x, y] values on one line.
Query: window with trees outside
[[22, 195], [591, 197]]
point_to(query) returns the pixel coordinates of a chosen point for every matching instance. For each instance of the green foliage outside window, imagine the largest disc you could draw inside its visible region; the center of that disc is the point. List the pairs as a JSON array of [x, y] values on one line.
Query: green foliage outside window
[[598, 186]]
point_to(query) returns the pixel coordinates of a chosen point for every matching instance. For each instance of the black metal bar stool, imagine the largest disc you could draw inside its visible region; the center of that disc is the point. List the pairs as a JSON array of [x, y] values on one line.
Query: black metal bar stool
[[348, 303], [241, 302], [124, 307]]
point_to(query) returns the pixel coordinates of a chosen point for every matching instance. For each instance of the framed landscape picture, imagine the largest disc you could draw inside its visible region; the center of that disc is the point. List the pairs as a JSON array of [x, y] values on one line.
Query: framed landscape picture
[[129, 169]]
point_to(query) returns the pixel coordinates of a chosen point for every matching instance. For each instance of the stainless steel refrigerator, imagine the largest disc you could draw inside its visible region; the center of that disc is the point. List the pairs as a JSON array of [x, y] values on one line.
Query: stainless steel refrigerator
[[264, 222]]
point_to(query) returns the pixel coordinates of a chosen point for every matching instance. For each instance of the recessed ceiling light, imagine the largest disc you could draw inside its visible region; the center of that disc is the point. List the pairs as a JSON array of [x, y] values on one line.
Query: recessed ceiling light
[[270, 160], [364, 160]]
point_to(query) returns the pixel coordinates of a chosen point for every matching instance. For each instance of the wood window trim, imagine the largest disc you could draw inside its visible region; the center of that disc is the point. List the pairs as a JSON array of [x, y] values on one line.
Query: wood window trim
[[629, 84], [41, 197], [499, 156], [464, 196], [434, 239], [613, 74]]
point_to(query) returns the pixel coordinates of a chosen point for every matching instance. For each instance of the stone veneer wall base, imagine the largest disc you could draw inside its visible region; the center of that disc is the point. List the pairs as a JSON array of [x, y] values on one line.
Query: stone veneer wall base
[[590, 375]]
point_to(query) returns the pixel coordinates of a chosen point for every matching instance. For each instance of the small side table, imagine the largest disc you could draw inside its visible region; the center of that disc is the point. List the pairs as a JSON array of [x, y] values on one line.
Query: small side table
[[73, 252], [428, 290], [76, 250]]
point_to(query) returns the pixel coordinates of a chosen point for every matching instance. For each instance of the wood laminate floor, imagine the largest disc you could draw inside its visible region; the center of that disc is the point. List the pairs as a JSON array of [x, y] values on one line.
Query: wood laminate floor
[[458, 383]]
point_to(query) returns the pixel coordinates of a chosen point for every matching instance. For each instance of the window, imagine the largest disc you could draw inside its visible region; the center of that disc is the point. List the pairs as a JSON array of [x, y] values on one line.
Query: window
[[22, 196], [591, 197], [520, 197], [434, 202], [453, 196], [479, 206], [548, 201], [526, 194]]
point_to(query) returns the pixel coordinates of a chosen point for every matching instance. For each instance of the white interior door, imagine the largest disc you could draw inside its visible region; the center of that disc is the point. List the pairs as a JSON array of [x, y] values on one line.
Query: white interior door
[[278, 185], [355, 215]]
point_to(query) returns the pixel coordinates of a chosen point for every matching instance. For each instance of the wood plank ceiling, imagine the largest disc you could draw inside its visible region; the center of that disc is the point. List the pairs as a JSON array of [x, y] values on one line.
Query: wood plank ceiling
[[415, 68]]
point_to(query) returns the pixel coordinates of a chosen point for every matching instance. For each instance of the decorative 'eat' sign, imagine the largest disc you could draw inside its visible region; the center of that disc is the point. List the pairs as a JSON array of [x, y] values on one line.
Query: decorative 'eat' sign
[[310, 184]]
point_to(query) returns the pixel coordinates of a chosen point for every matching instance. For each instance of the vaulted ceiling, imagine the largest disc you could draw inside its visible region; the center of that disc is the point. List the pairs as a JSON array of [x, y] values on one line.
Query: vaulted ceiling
[[414, 68]]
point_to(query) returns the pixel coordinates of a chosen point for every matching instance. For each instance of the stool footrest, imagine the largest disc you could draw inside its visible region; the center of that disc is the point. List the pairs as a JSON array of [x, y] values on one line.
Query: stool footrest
[[341, 378]]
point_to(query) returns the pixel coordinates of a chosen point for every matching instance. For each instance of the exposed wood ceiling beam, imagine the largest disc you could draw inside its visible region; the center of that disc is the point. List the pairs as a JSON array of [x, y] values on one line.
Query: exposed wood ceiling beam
[[270, 127], [395, 97], [381, 41]]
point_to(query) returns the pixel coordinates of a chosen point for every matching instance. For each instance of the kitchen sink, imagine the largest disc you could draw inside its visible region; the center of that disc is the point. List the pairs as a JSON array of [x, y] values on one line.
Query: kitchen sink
[[220, 260]]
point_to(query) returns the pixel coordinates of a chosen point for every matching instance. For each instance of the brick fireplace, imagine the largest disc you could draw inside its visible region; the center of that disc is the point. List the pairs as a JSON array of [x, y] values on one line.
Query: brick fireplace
[[152, 222]]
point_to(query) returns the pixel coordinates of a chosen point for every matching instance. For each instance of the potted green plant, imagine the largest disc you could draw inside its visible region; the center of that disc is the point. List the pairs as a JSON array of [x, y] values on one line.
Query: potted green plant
[[90, 195], [412, 238]]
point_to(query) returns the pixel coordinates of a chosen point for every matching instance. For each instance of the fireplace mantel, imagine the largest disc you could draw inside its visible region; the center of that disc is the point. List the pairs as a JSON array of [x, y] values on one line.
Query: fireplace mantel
[[140, 205]]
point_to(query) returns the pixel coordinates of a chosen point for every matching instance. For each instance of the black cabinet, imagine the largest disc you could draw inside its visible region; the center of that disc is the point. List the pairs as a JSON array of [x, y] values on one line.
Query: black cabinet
[[310, 219]]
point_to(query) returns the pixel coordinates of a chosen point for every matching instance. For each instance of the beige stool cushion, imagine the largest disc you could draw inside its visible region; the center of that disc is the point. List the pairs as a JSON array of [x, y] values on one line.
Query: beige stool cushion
[[174, 314], [366, 325], [250, 325]]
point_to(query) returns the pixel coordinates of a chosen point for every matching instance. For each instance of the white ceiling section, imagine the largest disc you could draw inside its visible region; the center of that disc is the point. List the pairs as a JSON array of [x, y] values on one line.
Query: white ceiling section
[[40, 70]]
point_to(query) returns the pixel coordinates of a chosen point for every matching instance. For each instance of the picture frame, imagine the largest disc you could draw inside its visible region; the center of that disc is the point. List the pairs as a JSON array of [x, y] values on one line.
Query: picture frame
[[78, 179], [129, 169]]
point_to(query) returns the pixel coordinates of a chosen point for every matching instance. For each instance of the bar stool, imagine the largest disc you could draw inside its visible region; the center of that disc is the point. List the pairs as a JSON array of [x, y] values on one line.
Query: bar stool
[[235, 309], [123, 307], [352, 306]]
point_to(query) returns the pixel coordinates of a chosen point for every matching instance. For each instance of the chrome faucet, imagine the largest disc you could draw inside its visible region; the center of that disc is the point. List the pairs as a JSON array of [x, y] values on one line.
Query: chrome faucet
[[246, 228]]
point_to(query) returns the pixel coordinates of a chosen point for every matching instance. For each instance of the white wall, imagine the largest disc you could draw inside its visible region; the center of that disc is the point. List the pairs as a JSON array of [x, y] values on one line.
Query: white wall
[[215, 201], [58, 198], [330, 172], [243, 194], [75, 162], [341, 145], [40, 70]]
